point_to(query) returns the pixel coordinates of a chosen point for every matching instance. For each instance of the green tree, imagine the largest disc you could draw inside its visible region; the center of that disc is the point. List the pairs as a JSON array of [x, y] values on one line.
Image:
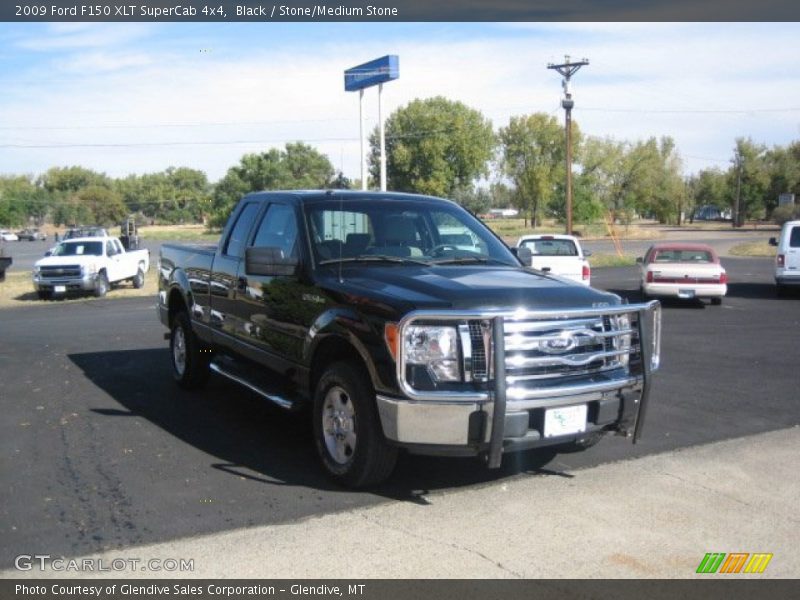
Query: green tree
[[783, 168], [72, 179], [21, 201], [749, 178], [434, 146], [475, 200], [708, 187], [299, 166], [103, 204]]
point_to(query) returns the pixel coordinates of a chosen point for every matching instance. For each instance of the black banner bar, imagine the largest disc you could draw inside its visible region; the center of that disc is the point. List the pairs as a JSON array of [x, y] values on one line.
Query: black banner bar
[[714, 588], [400, 10]]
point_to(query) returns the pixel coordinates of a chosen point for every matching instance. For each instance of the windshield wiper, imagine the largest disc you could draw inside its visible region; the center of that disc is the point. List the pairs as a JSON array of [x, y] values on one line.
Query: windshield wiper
[[468, 260], [376, 258]]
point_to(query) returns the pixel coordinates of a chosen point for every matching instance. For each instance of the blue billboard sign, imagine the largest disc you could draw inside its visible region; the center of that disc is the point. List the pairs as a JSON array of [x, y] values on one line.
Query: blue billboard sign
[[372, 73]]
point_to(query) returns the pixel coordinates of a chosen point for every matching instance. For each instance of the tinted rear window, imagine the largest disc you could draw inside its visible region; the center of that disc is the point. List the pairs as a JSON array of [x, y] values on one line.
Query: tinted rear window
[[794, 238], [551, 247], [694, 256]]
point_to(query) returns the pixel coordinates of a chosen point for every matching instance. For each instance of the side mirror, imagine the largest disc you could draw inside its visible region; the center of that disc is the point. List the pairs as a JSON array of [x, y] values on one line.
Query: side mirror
[[269, 261], [773, 241], [524, 255], [639, 260], [587, 253], [48, 253]]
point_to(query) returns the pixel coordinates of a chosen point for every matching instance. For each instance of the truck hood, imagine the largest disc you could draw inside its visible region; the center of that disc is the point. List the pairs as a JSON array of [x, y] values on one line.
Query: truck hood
[[468, 287], [56, 261]]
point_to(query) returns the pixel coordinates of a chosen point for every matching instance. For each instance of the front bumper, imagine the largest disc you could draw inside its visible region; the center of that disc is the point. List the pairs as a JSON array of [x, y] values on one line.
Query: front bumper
[[85, 283], [465, 429], [509, 414]]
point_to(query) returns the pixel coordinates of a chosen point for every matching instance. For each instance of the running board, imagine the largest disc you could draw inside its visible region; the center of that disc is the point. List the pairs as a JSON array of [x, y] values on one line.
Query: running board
[[277, 399]]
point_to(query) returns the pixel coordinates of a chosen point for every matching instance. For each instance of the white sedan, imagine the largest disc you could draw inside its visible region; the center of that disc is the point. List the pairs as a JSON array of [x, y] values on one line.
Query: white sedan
[[560, 255], [683, 271], [8, 236]]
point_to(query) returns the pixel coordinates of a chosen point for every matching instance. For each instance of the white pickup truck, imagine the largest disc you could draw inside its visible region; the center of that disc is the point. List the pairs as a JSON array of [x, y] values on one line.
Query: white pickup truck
[[560, 255], [88, 265]]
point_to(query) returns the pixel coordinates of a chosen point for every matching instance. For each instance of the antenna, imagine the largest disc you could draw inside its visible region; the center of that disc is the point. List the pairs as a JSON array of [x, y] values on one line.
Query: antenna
[[341, 230]]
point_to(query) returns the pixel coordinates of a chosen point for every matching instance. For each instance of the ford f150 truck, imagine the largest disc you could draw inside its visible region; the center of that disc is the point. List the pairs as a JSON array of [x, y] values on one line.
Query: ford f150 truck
[[360, 306], [88, 264]]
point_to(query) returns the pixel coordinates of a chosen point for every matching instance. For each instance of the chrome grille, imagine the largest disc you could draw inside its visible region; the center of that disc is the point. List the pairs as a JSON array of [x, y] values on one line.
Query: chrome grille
[[53, 272]]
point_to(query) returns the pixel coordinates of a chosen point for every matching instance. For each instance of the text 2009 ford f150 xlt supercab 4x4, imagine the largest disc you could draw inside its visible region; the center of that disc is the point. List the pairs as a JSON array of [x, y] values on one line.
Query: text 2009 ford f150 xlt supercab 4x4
[[356, 304]]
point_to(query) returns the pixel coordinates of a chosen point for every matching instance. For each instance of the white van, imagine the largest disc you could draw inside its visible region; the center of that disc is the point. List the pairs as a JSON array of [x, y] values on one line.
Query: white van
[[787, 260]]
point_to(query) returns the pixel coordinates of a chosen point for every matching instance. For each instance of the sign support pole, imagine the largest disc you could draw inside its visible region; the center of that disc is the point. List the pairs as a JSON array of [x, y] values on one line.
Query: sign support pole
[[383, 138], [363, 141]]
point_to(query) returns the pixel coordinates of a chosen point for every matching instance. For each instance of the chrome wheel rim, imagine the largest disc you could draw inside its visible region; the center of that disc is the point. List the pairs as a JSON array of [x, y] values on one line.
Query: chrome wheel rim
[[338, 425], [179, 351]]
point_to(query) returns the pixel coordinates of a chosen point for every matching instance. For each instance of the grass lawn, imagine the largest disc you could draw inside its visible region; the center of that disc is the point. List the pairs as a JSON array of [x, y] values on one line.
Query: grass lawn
[[178, 233], [761, 248]]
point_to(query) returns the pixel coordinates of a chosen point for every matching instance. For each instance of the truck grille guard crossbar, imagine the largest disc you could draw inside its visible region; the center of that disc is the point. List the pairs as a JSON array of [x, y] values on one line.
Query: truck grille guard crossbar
[[526, 357]]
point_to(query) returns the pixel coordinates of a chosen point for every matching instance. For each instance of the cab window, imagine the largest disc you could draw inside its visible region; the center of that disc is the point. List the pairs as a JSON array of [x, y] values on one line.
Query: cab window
[[278, 229], [238, 236]]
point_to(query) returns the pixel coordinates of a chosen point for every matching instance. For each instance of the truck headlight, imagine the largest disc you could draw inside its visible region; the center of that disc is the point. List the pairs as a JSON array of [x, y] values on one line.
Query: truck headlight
[[89, 269], [436, 347], [623, 341], [37, 270]]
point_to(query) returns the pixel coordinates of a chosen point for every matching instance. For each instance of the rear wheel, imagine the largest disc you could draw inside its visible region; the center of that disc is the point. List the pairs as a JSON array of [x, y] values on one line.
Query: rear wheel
[[347, 429], [189, 359], [716, 301]]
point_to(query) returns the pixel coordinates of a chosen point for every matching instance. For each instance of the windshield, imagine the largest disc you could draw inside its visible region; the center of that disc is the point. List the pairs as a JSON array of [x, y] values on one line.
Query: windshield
[[79, 249], [428, 232]]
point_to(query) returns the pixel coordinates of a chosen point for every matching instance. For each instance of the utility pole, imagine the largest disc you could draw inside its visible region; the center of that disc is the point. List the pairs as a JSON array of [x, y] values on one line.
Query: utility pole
[[567, 70], [736, 217]]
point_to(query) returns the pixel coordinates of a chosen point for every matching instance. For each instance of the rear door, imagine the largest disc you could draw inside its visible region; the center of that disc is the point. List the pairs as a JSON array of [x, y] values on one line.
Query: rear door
[[274, 312], [223, 284], [793, 249]]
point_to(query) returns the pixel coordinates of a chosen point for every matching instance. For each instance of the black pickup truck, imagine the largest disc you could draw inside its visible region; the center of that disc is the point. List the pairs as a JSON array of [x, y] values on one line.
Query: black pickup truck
[[403, 322]]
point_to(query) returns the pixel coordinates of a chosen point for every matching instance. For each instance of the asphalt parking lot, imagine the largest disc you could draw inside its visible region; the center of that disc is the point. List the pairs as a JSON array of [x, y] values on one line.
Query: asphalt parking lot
[[100, 450]]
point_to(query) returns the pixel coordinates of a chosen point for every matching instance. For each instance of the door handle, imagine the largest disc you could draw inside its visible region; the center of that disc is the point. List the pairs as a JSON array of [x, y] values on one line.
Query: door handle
[[241, 284]]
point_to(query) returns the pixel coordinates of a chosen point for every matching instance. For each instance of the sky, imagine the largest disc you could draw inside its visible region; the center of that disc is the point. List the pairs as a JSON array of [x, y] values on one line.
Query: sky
[[133, 98]]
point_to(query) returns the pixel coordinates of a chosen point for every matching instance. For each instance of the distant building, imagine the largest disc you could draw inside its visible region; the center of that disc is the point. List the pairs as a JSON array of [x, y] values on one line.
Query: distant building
[[503, 213]]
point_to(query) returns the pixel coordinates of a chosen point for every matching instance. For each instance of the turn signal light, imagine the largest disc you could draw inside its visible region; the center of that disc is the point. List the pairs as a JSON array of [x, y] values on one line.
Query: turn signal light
[[390, 336], [723, 278], [781, 260], [586, 272], [649, 277]]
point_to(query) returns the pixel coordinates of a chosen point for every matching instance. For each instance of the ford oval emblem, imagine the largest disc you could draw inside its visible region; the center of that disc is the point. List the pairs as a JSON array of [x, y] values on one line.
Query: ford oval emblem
[[564, 343]]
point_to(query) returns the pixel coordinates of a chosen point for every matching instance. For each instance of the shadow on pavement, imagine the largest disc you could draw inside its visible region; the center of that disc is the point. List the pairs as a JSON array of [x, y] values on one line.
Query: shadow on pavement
[[251, 439]]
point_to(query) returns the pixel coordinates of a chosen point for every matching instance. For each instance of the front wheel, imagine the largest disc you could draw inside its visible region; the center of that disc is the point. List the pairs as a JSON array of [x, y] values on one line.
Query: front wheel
[[101, 285], [347, 429], [189, 359], [138, 280]]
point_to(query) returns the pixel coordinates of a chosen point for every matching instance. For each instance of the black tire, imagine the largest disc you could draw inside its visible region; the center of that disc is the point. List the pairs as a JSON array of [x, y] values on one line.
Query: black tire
[[189, 358], [351, 446], [716, 301], [780, 290], [138, 280], [101, 285], [44, 295]]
